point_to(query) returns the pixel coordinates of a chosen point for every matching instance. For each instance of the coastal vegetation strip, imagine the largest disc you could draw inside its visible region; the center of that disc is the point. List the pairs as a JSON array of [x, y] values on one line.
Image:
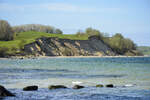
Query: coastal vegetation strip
[[23, 38], [13, 39]]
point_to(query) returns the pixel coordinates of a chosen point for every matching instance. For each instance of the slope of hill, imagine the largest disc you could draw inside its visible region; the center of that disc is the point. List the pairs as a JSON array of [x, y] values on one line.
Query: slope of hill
[[54, 46], [14, 46], [40, 43], [144, 49]]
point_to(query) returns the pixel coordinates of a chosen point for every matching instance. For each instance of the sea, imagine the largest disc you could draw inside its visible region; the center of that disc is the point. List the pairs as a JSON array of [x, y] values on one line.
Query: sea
[[129, 75]]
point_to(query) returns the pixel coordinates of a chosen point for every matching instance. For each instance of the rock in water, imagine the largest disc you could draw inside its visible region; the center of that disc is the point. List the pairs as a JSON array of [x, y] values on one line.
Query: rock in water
[[78, 87], [99, 85], [110, 85], [57, 87], [4, 92], [30, 88]]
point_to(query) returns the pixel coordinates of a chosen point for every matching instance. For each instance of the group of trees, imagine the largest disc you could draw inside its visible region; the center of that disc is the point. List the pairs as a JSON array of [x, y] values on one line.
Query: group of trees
[[120, 44], [36, 27], [7, 32], [117, 42], [90, 32]]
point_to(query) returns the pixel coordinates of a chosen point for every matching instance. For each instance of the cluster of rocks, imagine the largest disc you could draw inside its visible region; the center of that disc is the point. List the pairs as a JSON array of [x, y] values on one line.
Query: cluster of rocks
[[4, 92], [108, 85]]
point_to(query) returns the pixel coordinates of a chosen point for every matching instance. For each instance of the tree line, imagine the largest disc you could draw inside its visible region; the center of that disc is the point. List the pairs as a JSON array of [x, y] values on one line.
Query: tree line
[[7, 32], [36, 27]]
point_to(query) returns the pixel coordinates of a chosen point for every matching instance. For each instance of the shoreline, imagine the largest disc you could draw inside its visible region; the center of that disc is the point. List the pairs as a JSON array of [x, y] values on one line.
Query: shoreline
[[35, 57]]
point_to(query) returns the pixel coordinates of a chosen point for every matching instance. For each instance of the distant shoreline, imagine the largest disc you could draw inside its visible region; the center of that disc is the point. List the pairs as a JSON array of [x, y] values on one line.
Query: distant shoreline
[[23, 57]]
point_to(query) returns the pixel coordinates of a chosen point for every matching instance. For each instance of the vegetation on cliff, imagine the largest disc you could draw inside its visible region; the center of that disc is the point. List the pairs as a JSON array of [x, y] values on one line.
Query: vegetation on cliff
[[13, 39], [37, 28], [119, 44], [6, 32], [16, 45]]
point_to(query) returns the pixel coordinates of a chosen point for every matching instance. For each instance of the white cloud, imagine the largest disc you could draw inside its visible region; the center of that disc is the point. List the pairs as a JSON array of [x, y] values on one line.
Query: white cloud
[[59, 7], [62, 7], [67, 8]]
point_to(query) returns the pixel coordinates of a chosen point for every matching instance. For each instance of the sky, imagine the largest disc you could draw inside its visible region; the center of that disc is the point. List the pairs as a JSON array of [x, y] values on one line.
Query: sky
[[129, 17]]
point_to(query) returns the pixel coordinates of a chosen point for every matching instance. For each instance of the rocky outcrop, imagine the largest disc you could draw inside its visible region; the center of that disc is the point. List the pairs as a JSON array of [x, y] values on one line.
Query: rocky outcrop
[[30, 88], [4, 92], [57, 87], [78, 87], [99, 85], [110, 85], [65, 47]]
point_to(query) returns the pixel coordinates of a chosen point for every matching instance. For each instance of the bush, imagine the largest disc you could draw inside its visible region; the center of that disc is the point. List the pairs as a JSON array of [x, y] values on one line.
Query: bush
[[3, 51], [120, 44], [6, 32], [58, 31], [90, 32], [22, 43]]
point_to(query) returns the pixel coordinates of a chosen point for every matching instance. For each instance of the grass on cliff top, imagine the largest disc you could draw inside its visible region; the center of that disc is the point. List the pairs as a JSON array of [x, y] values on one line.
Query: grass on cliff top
[[29, 37]]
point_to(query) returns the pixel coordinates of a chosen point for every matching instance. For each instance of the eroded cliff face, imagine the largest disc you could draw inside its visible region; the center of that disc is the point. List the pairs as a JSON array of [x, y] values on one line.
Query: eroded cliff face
[[64, 47]]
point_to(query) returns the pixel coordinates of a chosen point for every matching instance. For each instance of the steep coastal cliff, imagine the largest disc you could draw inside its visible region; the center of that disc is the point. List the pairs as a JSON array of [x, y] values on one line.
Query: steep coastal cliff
[[54, 46]]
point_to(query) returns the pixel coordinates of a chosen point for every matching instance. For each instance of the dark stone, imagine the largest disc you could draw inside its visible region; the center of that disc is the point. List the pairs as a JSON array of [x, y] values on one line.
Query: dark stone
[[4, 92], [110, 85], [30, 88], [57, 87], [99, 85], [78, 87]]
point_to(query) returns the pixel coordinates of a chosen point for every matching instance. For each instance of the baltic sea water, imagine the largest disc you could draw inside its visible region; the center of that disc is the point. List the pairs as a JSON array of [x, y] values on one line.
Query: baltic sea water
[[130, 75]]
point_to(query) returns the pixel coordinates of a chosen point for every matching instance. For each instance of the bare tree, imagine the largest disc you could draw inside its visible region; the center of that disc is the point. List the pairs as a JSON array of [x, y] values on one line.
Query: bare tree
[[36, 27]]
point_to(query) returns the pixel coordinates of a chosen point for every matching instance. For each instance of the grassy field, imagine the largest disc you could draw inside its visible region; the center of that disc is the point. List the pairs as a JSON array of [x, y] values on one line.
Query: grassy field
[[29, 37]]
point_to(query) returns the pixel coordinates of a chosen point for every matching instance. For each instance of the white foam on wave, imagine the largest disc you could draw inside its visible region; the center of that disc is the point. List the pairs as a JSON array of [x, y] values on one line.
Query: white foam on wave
[[77, 82]]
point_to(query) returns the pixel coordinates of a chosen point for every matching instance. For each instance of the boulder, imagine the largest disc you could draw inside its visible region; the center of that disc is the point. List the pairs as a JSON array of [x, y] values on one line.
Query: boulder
[[78, 87], [99, 85], [57, 87], [30, 88], [110, 85], [4, 92]]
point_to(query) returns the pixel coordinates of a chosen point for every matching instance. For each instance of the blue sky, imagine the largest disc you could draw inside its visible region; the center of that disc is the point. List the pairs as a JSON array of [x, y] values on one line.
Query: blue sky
[[129, 17]]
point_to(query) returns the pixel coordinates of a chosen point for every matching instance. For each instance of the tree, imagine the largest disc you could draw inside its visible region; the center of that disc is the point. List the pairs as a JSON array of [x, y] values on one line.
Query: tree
[[89, 31], [6, 32], [80, 33], [129, 44], [58, 31], [120, 44]]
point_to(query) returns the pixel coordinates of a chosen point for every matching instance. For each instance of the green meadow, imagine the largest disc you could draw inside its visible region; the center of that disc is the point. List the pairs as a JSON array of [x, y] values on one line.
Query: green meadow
[[23, 38]]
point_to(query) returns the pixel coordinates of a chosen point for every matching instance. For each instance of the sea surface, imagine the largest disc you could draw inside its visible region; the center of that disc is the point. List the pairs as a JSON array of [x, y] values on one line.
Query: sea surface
[[129, 75]]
